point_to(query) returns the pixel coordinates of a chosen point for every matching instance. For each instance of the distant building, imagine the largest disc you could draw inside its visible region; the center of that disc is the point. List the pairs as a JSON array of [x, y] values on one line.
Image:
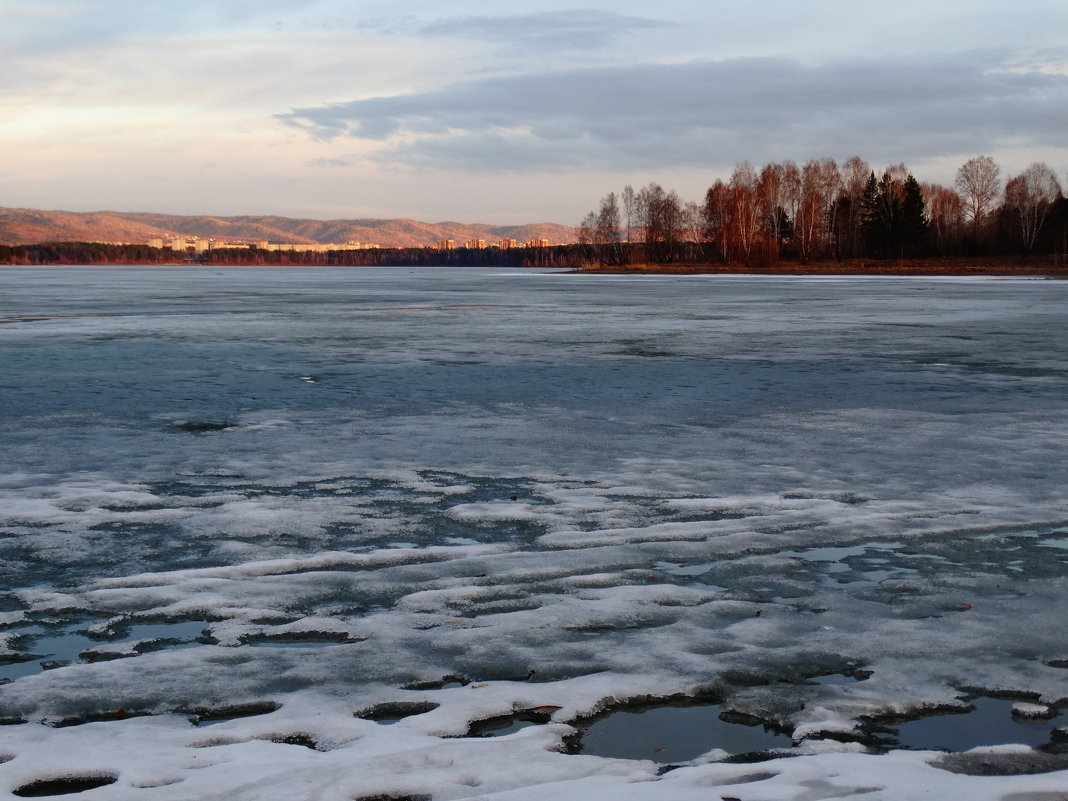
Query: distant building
[[184, 244], [198, 245], [319, 247]]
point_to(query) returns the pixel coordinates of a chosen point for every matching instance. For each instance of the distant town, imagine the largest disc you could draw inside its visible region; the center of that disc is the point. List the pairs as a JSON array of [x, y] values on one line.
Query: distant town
[[200, 245]]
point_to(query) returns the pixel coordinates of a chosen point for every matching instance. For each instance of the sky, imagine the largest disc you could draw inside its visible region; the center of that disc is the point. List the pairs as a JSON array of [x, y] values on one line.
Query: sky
[[484, 111]]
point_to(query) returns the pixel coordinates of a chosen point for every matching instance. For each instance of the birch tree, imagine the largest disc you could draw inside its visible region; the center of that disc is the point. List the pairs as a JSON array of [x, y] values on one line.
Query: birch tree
[[1029, 197], [819, 190], [979, 185], [744, 208], [770, 193]]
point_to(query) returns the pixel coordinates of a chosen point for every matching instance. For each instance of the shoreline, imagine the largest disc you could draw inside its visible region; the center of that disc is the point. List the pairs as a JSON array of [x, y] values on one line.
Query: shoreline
[[1049, 267], [1044, 267]]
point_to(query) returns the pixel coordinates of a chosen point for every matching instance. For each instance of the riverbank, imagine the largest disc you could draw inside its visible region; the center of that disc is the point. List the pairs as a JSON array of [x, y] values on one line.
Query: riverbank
[[1045, 266]]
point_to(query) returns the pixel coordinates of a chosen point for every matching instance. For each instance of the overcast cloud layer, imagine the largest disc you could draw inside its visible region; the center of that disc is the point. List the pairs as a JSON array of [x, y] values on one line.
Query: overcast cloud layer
[[470, 111], [707, 114]]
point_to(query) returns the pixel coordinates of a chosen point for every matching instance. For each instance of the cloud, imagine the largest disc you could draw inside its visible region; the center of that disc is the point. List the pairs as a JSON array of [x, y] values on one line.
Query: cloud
[[552, 30], [1052, 60], [330, 162], [707, 114], [67, 27]]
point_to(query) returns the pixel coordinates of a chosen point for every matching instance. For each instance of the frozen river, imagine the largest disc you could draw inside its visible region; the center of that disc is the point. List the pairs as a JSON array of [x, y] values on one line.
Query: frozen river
[[296, 534]]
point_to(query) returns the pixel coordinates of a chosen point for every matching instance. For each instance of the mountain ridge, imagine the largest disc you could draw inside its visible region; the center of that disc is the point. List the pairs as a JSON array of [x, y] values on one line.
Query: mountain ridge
[[24, 226]]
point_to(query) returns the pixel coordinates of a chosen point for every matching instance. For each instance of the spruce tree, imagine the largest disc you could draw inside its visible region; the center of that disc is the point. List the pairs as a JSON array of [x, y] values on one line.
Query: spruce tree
[[872, 225], [913, 222]]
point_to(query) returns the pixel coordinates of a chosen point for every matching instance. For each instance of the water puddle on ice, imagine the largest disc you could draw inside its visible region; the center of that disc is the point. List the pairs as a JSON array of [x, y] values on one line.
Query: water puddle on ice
[[868, 564], [394, 711], [912, 576], [504, 728], [311, 639], [834, 553], [65, 785], [46, 652], [211, 716], [678, 733], [181, 633], [840, 679], [51, 648], [509, 724], [677, 569], [990, 722]]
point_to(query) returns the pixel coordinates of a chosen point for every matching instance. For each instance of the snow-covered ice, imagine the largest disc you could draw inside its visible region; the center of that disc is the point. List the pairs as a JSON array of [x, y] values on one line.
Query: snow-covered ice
[[277, 534]]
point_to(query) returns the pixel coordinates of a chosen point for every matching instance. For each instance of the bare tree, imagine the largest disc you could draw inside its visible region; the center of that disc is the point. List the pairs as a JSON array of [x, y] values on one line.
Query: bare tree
[[819, 190], [600, 230], [672, 222], [1029, 197], [855, 173], [791, 189], [587, 228], [770, 194], [897, 173], [979, 185], [629, 205], [606, 233], [744, 207], [717, 218], [608, 220], [660, 216], [854, 176], [693, 224], [945, 216]]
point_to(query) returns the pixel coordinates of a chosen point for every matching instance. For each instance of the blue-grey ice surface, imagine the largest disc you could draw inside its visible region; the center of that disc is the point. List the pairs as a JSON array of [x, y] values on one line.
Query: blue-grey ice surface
[[275, 498]]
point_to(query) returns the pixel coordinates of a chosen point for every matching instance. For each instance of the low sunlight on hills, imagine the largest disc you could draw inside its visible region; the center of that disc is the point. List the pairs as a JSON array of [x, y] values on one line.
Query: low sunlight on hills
[[32, 226]]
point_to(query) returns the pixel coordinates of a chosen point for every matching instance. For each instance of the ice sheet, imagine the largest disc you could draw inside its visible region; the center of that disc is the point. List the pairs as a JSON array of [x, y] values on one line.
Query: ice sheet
[[543, 491]]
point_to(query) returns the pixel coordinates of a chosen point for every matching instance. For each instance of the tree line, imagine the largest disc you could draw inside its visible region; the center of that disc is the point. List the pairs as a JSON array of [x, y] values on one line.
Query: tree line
[[90, 253], [822, 210], [83, 253]]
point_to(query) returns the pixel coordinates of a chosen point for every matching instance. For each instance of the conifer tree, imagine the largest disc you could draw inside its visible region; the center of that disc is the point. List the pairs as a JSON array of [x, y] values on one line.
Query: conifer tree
[[913, 228], [871, 221]]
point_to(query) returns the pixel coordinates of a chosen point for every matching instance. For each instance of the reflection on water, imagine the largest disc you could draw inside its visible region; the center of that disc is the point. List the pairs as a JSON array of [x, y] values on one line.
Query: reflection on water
[[989, 722], [671, 734]]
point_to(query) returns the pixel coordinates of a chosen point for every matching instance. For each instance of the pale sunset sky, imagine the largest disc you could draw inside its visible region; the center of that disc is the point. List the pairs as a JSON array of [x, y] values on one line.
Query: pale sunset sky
[[503, 112]]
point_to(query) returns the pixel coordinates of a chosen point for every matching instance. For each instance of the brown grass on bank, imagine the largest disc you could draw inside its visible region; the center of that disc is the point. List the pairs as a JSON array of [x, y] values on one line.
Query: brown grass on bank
[[990, 265]]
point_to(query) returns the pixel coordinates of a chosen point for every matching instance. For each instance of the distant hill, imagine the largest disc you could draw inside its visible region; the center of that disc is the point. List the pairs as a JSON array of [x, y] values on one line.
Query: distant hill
[[33, 226]]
